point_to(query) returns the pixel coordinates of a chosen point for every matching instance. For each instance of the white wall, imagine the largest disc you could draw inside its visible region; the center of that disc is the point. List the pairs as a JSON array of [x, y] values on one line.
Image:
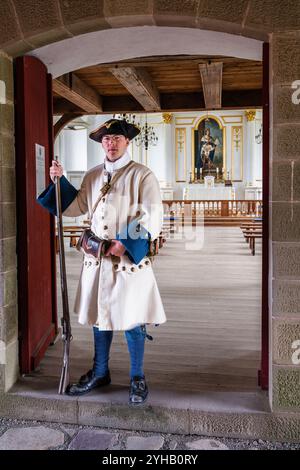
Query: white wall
[[79, 153]]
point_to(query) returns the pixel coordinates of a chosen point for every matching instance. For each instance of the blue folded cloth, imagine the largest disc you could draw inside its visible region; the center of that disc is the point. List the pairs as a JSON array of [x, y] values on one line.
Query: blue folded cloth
[[47, 198]]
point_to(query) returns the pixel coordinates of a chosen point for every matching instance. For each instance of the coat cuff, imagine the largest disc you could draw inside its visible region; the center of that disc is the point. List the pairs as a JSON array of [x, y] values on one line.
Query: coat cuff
[[68, 194], [136, 239]]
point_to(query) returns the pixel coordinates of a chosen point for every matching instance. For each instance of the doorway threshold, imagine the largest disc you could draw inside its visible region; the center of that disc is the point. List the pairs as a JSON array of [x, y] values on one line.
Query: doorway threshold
[[223, 413]]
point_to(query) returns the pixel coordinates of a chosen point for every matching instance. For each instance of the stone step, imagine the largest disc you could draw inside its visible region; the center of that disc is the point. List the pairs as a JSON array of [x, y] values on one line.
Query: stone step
[[223, 414]]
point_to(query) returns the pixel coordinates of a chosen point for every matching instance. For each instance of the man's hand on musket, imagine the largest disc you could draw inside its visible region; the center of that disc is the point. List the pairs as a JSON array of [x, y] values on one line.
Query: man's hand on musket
[[56, 170], [116, 248]]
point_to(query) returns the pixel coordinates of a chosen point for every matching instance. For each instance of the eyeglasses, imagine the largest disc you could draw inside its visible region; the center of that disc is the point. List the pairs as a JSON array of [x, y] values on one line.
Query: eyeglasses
[[112, 138]]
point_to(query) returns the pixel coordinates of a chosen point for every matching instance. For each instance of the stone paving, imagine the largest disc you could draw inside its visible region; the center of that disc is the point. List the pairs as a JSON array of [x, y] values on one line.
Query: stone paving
[[34, 435]]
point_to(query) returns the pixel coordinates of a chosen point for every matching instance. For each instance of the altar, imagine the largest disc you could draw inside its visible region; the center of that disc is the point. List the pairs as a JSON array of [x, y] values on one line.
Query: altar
[[199, 192]]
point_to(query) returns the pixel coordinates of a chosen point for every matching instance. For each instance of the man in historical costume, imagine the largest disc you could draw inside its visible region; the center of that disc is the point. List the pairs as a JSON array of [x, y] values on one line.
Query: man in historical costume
[[118, 291]]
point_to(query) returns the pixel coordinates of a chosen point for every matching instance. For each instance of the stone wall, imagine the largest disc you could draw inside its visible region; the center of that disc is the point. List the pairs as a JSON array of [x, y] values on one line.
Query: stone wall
[[285, 207], [28, 24], [8, 262]]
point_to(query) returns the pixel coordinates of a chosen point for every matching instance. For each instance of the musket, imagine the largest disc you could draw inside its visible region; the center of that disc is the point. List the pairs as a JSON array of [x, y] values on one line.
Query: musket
[[65, 321]]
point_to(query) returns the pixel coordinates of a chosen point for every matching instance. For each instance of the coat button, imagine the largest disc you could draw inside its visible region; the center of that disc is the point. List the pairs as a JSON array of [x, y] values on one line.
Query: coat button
[[147, 262], [123, 268], [105, 236], [138, 213], [140, 266], [132, 269], [116, 266], [105, 227], [103, 199], [97, 262]]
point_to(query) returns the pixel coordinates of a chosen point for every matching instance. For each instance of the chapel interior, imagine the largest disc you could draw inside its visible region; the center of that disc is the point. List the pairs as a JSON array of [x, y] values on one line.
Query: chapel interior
[[201, 135]]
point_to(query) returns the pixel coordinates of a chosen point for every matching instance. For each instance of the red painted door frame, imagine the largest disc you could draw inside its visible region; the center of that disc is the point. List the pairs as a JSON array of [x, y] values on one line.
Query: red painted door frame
[[35, 249]]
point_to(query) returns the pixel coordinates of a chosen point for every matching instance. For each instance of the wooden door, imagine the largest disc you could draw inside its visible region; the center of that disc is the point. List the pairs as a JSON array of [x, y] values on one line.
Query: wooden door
[[35, 226]]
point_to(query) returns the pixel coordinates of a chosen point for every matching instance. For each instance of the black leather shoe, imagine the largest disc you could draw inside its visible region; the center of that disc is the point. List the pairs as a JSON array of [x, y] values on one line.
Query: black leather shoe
[[138, 391], [87, 383]]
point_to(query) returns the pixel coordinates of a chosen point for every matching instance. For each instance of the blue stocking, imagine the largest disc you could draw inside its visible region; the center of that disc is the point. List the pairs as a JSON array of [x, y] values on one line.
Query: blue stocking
[[102, 342]]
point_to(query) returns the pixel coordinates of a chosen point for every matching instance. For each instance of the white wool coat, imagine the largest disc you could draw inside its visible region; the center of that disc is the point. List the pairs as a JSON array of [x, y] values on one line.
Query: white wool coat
[[115, 293]]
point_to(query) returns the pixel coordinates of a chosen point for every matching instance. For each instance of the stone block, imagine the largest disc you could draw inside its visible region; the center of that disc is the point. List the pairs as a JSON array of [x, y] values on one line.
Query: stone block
[[17, 48], [285, 333], [206, 444], [231, 11], [2, 377], [8, 256], [6, 75], [38, 406], [8, 323], [7, 184], [80, 20], [286, 58], [285, 111], [176, 14], [273, 16], [6, 119], [281, 181], [296, 181], [31, 438], [286, 388], [9, 29], [8, 288], [72, 10], [116, 415], [222, 424], [132, 13], [87, 26], [93, 439], [286, 298], [7, 220], [47, 37], [128, 8], [144, 443], [37, 15], [286, 260], [286, 142], [7, 151], [11, 364], [285, 221]]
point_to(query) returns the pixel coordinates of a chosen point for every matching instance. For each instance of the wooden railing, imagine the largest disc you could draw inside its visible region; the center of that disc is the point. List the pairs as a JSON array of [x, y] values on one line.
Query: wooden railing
[[217, 208]]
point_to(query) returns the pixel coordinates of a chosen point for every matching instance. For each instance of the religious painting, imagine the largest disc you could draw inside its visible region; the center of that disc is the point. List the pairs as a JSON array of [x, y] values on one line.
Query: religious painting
[[208, 148]]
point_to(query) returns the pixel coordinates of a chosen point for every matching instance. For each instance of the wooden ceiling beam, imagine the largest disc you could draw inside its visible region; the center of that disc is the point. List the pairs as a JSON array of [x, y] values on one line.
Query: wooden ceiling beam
[[178, 61], [211, 76], [233, 99], [77, 92], [140, 85]]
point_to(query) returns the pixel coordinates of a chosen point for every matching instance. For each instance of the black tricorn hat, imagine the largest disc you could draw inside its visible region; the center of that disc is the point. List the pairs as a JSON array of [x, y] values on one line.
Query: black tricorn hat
[[115, 126]]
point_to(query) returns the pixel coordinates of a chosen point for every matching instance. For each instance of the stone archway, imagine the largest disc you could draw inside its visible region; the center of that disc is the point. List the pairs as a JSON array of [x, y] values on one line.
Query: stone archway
[[30, 25]]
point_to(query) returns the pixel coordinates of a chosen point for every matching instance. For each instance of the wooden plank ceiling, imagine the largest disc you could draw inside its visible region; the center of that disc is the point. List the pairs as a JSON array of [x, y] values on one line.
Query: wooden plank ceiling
[[164, 84]]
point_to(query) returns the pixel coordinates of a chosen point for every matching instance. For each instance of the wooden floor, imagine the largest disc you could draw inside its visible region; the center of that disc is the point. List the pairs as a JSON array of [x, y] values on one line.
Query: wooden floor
[[212, 298]]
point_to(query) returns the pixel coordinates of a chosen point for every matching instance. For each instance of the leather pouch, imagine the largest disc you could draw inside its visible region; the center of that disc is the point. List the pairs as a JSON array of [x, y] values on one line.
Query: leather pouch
[[91, 245]]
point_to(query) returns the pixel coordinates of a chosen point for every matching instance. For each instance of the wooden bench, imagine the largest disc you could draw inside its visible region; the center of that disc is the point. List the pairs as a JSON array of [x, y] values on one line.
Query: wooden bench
[[252, 239], [249, 232]]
